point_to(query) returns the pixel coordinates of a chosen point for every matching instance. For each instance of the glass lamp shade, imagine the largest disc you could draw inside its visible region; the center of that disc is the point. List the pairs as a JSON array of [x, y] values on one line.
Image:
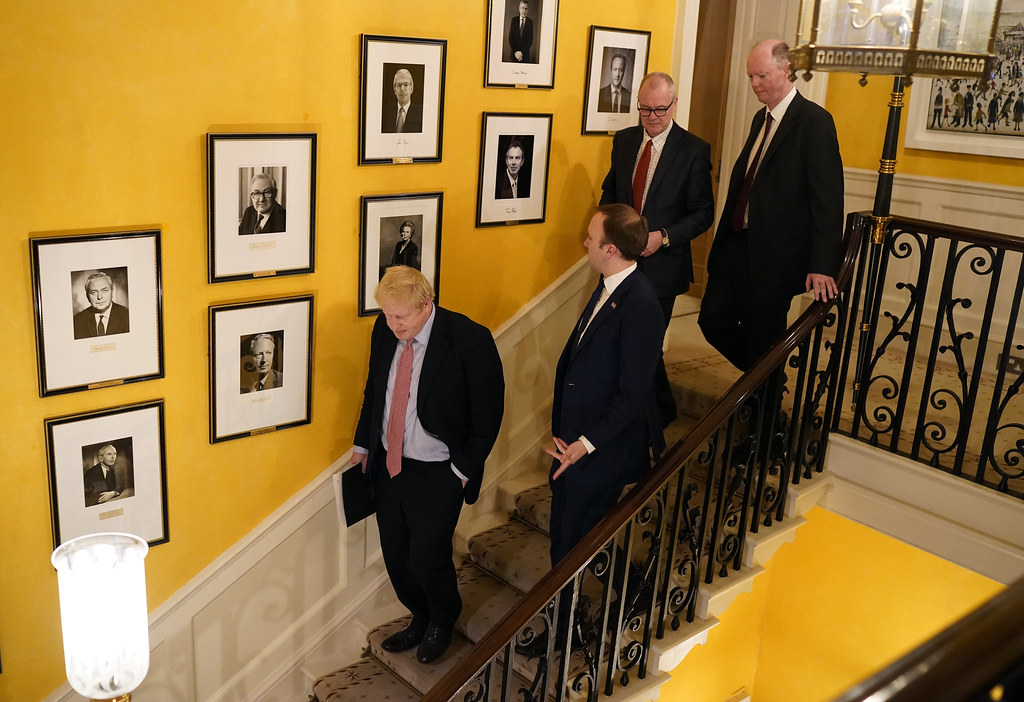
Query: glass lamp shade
[[101, 579], [897, 37]]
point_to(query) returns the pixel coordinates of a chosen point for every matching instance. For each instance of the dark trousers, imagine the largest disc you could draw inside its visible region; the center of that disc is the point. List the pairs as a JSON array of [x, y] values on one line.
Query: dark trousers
[[576, 509], [417, 511], [662, 389], [739, 321]]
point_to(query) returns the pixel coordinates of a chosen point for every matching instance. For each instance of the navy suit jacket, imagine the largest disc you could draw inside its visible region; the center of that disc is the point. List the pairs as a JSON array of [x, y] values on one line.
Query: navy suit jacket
[[389, 118], [524, 43], [85, 321], [604, 387], [795, 211], [680, 200], [604, 100], [276, 220], [461, 395]]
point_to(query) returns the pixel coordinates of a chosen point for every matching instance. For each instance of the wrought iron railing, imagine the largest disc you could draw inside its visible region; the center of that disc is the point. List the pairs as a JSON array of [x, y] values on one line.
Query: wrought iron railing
[[638, 573], [940, 364], [980, 657]]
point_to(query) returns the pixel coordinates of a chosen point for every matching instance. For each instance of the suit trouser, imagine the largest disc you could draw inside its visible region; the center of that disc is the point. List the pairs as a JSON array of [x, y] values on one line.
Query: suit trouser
[[739, 321], [662, 388], [417, 512]]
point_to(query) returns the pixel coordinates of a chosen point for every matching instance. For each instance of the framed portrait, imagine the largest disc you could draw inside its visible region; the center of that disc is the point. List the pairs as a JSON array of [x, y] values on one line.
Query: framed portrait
[[616, 63], [513, 182], [398, 230], [262, 197], [108, 472], [98, 309], [261, 361], [402, 99], [521, 43], [971, 115]]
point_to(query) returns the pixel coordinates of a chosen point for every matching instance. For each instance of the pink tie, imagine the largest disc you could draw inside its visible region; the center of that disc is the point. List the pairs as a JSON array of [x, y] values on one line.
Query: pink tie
[[399, 403]]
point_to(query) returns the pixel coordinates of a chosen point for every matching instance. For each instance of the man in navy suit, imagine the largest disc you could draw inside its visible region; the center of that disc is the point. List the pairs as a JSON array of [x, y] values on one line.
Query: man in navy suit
[[781, 228], [603, 417], [664, 173], [432, 408]]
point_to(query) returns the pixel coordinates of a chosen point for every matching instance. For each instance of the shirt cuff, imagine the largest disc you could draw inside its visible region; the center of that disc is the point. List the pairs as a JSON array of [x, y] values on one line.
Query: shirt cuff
[[586, 444], [360, 449]]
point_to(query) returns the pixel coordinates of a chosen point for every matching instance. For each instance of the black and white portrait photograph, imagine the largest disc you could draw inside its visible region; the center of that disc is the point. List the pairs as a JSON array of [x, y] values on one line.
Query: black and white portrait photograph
[[401, 113], [402, 105], [248, 366], [100, 302], [98, 309], [616, 63], [108, 472], [263, 192], [398, 230], [262, 205], [521, 43], [514, 153], [261, 361], [514, 166]]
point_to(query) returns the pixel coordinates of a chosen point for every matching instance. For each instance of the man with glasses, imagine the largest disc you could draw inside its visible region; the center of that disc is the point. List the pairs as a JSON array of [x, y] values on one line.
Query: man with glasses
[[401, 115], [664, 173], [264, 215]]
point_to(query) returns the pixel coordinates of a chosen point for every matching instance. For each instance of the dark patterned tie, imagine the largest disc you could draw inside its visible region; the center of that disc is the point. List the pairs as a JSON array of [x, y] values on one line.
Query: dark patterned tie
[[101, 330], [588, 311], [739, 214]]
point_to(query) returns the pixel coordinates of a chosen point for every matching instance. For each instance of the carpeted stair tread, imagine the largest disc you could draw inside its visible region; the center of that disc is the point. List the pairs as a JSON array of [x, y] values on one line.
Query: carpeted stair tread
[[533, 506], [514, 552], [485, 601], [415, 674], [366, 680]]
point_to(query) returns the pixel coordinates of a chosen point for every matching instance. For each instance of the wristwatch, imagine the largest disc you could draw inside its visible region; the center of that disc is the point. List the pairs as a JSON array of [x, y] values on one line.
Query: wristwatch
[[664, 237]]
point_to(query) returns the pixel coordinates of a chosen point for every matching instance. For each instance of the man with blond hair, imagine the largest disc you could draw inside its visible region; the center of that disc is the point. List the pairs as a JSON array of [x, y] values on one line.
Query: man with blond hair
[[432, 408]]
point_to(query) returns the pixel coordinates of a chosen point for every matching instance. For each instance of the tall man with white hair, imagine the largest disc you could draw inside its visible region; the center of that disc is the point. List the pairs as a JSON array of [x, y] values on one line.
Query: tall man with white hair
[[664, 173]]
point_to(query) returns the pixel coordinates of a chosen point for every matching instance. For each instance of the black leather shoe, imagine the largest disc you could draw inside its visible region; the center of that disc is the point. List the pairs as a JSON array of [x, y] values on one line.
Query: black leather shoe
[[434, 644], [405, 639]]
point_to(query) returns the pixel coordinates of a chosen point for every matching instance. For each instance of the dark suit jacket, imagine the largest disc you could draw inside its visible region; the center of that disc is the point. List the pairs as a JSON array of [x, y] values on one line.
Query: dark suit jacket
[[604, 387], [389, 118], [275, 220], [85, 321], [604, 100], [503, 188], [95, 484], [409, 257], [274, 379], [680, 200], [461, 396], [522, 42], [795, 215]]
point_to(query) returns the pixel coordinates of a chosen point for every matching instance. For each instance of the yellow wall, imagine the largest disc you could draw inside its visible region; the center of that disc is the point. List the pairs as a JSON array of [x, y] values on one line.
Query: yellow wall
[[861, 115], [105, 109], [835, 605]]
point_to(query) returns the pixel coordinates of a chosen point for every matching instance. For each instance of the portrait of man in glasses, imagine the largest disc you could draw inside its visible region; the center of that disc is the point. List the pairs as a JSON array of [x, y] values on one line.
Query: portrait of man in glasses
[[264, 214]]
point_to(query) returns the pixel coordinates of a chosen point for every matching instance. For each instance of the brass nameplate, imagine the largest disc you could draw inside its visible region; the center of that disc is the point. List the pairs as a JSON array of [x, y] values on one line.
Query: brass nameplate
[[522, 85], [263, 274], [111, 514], [265, 430], [106, 384], [404, 159]]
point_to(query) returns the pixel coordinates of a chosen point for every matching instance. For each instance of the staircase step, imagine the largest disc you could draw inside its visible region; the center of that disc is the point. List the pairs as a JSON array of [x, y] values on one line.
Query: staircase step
[[366, 679], [415, 674], [533, 506], [485, 601], [714, 599], [515, 553], [509, 489]]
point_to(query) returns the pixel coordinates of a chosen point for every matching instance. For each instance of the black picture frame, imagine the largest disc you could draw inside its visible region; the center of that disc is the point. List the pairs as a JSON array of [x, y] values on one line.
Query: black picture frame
[[77, 350], [521, 55], [614, 53], [382, 221], [285, 241], [247, 398], [89, 496], [498, 201], [387, 64]]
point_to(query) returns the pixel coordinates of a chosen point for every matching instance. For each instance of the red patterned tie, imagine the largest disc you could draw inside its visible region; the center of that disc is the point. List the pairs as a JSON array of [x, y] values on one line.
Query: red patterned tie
[[399, 403], [640, 177]]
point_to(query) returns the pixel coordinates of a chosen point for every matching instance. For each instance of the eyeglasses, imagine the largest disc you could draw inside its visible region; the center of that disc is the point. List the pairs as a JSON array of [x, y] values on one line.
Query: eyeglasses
[[403, 86], [256, 194], [658, 111]]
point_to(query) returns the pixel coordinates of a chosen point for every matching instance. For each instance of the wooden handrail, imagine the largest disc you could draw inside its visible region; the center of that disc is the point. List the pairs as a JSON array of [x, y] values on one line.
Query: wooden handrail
[[577, 559]]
